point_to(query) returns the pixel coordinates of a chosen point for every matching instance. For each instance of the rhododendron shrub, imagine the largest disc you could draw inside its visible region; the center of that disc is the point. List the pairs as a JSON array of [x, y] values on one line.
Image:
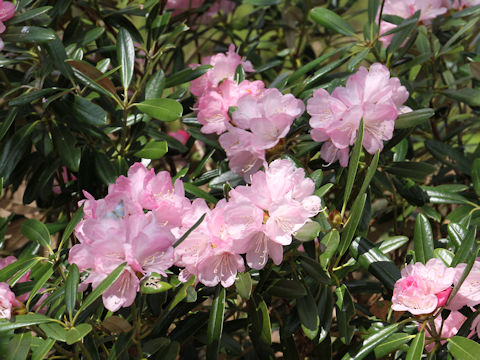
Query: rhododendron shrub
[[228, 179]]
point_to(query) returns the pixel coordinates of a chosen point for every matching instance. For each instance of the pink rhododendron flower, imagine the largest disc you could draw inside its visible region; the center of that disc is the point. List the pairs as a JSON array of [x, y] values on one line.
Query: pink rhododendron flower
[[180, 135], [423, 288], [223, 67], [469, 292], [368, 94], [449, 327], [7, 10], [460, 4], [429, 9], [7, 301]]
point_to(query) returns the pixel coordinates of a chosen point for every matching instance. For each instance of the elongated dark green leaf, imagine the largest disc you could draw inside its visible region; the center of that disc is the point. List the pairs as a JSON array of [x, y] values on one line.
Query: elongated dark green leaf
[[40, 282], [463, 348], [125, 56], [372, 341], [194, 190], [186, 75], [331, 241], [189, 231], [54, 331], [7, 122], [36, 231], [31, 97], [19, 346], [243, 285], [308, 232], [58, 55], [456, 234], [20, 266], [402, 31], [315, 270], [71, 288], [91, 76], [308, 315], [331, 20], [289, 289], [104, 168], [345, 311], [437, 196], [416, 347], [77, 333], [161, 109], [393, 243], [375, 261], [449, 156], [353, 166], [372, 10], [155, 86], [423, 239], [27, 34], [153, 284], [352, 223], [262, 2], [467, 247], [77, 216], [40, 352], [391, 344], [325, 311], [312, 65], [88, 112], [475, 174], [153, 150], [65, 142], [414, 170], [215, 324], [104, 285], [468, 96], [259, 317], [29, 14], [22, 321]]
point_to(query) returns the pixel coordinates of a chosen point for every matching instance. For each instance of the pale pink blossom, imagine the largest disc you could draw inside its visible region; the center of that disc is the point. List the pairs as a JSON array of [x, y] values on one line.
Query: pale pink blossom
[[469, 292], [423, 287], [7, 10], [371, 95], [7, 301], [223, 67], [139, 240], [429, 9], [449, 328]]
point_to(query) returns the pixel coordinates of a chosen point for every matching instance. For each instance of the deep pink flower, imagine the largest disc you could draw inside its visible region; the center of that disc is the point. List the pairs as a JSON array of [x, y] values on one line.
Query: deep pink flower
[[7, 10], [180, 135]]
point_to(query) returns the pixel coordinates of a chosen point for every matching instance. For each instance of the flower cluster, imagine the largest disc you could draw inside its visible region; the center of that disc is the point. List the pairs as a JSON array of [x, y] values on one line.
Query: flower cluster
[[368, 94], [143, 215], [423, 289], [249, 118], [7, 10]]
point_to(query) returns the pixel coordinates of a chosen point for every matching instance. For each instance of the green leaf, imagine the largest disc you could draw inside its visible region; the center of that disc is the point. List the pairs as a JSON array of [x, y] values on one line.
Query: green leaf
[[423, 239], [402, 31], [467, 247], [54, 331], [414, 170], [463, 348], [393, 243], [308, 315], [449, 156], [325, 310], [262, 2], [315, 270], [104, 168], [36, 231], [19, 346], [215, 323], [415, 350], [308, 232], [352, 223], [88, 112], [77, 216], [375, 261], [65, 142], [77, 333], [413, 118], [331, 241], [153, 150], [161, 109], [27, 34], [243, 285], [153, 284], [22, 321], [345, 311], [31, 97], [125, 56], [41, 351], [353, 166], [17, 269], [445, 255], [71, 288], [93, 77], [288, 289], [475, 174], [7, 122], [102, 287], [443, 197], [47, 272], [194, 190], [29, 14], [58, 56], [155, 86], [259, 317], [456, 234], [468, 96], [331, 20], [370, 343], [391, 344], [186, 75], [189, 231]]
